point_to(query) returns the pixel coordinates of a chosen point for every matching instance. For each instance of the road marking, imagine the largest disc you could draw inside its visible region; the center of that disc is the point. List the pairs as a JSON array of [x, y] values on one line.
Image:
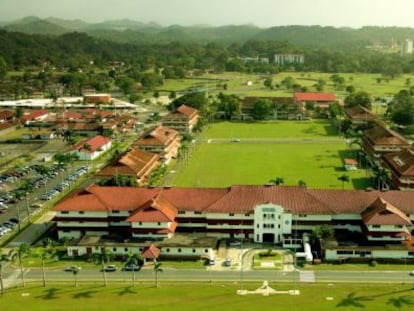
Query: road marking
[[307, 276]]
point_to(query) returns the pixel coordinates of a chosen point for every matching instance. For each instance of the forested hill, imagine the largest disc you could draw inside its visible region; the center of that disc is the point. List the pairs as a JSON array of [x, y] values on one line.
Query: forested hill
[[129, 31]]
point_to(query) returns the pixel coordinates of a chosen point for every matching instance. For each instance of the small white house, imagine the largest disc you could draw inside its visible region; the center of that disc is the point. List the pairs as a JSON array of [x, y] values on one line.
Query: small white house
[[91, 149]]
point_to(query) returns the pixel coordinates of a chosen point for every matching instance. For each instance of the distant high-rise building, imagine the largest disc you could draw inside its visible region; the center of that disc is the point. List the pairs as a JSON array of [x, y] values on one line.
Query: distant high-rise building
[[282, 59], [407, 47]]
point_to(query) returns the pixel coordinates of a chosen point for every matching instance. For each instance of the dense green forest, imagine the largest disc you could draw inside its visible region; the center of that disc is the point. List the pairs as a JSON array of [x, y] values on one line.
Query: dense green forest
[[75, 50]]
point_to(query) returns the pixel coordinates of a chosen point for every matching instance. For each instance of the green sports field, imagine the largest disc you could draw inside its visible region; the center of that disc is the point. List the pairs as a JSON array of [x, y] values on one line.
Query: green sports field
[[212, 296], [309, 151]]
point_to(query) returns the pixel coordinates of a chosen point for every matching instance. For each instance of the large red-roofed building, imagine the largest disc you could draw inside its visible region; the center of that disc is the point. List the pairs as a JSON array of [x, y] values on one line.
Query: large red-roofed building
[[273, 214]]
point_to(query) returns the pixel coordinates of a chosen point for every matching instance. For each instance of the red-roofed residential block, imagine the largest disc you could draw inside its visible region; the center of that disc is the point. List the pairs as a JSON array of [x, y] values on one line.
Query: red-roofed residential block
[[91, 148]]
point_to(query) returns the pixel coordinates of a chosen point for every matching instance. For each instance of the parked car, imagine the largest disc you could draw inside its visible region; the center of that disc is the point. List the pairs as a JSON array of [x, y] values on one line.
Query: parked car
[[110, 268], [227, 262], [412, 273], [132, 268], [73, 268], [234, 243]]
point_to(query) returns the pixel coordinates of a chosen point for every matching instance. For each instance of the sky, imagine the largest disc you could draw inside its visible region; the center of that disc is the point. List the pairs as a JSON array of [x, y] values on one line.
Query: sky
[[262, 13]]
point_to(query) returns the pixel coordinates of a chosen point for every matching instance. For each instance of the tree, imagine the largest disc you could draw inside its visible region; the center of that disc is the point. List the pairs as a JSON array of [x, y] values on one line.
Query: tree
[[26, 188], [45, 252], [382, 175], [301, 183], [323, 232], [268, 83], [157, 269], [401, 109], [261, 109], [134, 259], [17, 254], [3, 257], [75, 271], [343, 178], [359, 98], [3, 68], [229, 105], [105, 255], [277, 181]]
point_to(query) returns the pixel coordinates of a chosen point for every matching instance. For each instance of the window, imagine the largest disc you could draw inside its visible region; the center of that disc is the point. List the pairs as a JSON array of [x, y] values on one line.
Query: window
[[231, 214], [168, 250], [197, 213], [194, 250], [206, 250], [338, 252], [179, 250], [181, 212], [398, 226], [258, 226], [376, 226], [64, 212], [159, 224], [247, 215], [81, 212], [140, 223], [302, 215], [115, 212], [114, 249], [410, 253], [125, 249]]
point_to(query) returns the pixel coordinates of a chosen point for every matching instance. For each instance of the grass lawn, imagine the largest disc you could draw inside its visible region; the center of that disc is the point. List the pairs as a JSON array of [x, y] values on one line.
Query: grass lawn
[[361, 81], [271, 129], [214, 296], [221, 165]]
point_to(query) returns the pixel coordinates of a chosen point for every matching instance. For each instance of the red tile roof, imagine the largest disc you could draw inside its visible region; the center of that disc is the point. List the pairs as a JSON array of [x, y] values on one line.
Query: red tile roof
[[136, 162], [318, 97], [161, 136], [154, 210], [32, 115], [360, 113], [241, 199], [401, 162], [95, 143], [151, 252], [380, 212], [186, 110], [381, 135]]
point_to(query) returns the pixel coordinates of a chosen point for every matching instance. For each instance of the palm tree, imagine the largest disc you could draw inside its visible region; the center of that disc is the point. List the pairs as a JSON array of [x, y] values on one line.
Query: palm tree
[[277, 181], [343, 178], [18, 196], [18, 254], [302, 183], [136, 260], [157, 269], [382, 175], [45, 252], [27, 187], [75, 271], [3, 257], [104, 256]]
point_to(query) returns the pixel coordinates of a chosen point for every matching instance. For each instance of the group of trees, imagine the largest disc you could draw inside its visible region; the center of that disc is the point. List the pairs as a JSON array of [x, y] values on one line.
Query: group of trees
[[50, 250]]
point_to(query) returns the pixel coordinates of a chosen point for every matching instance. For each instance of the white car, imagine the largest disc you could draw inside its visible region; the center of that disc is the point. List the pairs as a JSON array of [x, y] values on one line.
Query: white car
[[412, 273]]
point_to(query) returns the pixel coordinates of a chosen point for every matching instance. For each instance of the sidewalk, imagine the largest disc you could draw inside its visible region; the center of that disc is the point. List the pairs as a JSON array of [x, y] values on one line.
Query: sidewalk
[[34, 231]]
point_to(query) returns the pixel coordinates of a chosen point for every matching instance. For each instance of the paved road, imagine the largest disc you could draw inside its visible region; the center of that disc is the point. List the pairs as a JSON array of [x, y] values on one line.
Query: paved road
[[200, 275]]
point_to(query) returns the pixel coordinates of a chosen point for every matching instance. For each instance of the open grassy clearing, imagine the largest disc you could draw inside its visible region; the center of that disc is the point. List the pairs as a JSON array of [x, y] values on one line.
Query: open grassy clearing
[[213, 296], [310, 151], [273, 129], [236, 83], [361, 81], [221, 165]]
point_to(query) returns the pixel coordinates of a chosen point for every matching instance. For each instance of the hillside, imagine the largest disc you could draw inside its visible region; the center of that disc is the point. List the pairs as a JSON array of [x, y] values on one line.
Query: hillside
[[130, 31]]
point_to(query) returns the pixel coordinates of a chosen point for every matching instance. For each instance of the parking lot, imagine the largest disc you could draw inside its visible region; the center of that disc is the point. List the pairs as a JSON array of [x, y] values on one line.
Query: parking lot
[[25, 190]]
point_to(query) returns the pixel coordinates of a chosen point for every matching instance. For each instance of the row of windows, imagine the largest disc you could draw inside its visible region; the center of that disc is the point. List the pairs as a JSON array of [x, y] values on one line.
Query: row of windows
[[179, 250], [361, 253]]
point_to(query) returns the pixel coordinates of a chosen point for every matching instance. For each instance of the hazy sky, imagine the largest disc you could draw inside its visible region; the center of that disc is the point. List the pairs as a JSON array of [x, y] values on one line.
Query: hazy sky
[[264, 13]]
